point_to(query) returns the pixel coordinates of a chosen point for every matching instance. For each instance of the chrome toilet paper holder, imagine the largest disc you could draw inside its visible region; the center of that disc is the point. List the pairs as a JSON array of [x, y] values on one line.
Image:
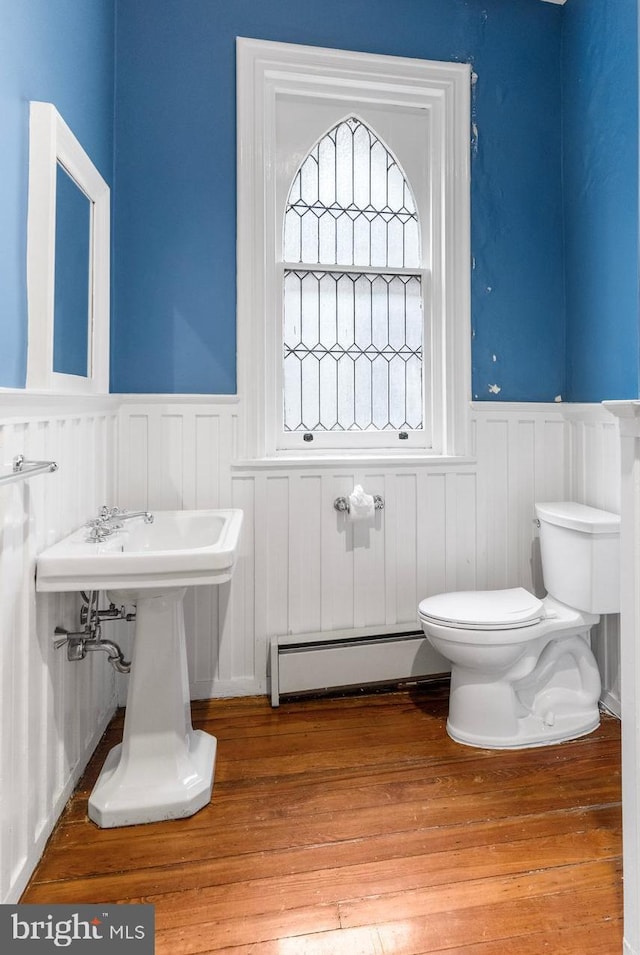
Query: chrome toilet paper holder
[[342, 503]]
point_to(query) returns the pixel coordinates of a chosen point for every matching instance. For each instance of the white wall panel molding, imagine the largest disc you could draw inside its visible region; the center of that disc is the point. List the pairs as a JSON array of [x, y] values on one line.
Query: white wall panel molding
[[594, 472], [25, 405], [330, 462], [177, 454], [145, 398], [447, 524], [523, 455], [605, 642], [628, 413], [595, 456], [52, 712]]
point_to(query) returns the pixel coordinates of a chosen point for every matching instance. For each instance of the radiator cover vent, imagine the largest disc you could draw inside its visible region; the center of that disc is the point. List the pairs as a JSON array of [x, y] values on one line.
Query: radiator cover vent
[[337, 659]]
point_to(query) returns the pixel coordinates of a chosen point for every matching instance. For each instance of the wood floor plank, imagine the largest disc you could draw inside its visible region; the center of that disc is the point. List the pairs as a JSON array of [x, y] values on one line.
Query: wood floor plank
[[114, 849], [159, 879], [377, 879], [428, 777], [283, 922], [494, 892], [430, 936], [356, 941], [355, 825], [543, 919], [356, 789], [603, 938], [524, 903], [354, 784]]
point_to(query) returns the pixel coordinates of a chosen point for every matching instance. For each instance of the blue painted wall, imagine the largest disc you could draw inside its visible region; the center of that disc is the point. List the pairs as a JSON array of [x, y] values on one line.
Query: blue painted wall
[[61, 52], [174, 257], [600, 96], [555, 296]]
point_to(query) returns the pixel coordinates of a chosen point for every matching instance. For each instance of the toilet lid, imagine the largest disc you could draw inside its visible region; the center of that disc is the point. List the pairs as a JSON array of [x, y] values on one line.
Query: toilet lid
[[484, 609]]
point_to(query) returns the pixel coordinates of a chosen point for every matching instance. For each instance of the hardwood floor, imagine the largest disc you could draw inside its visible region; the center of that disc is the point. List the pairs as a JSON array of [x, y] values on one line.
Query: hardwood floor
[[355, 826]]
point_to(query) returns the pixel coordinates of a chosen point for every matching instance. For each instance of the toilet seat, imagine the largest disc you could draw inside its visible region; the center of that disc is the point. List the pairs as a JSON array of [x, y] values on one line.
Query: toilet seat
[[483, 609]]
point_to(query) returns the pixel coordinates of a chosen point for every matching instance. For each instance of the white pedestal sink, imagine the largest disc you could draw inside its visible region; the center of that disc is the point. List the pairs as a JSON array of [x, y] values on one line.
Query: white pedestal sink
[[163, 769]]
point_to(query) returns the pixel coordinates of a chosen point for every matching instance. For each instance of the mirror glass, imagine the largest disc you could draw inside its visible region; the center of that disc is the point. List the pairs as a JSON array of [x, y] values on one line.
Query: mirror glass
[[72, 288]]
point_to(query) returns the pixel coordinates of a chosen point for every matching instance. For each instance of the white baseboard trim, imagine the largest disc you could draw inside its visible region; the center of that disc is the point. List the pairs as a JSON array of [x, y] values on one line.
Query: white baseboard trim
[[612, 705], [220, 689]]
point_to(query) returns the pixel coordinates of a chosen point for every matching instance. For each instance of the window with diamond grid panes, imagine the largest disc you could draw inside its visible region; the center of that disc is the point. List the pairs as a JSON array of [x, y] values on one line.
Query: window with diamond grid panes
[[353, 319]]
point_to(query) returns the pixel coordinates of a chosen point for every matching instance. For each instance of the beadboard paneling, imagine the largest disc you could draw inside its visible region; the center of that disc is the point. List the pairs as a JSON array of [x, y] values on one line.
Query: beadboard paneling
[[447, 525], [53, 712], [595, 457], [595, 479]]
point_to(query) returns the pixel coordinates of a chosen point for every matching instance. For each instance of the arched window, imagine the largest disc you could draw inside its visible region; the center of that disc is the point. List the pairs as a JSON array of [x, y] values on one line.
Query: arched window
[[353, 323], [353, 254]]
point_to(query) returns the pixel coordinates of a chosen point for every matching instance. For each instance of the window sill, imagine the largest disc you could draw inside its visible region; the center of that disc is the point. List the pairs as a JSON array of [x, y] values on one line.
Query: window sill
[[317, 461]]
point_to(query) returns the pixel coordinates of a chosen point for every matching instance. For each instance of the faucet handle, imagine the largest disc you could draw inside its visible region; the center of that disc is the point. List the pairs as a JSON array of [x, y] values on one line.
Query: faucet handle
[[99, 530], [106, 513]]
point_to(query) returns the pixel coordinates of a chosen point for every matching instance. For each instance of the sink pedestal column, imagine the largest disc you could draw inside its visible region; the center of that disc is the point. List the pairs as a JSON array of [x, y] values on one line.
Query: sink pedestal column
[[163, 769]]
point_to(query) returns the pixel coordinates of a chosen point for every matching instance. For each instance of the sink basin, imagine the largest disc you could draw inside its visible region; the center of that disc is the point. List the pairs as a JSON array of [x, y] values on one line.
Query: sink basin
[[179, 549], [163, 769]]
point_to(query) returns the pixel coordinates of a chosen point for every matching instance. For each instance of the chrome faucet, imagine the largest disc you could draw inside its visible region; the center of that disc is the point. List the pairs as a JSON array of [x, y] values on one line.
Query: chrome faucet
[[128, 515], [116, 517], [111, 519]]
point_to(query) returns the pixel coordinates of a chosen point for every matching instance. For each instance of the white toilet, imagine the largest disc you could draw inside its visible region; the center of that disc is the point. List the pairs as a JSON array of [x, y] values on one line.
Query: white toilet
[[522, 670]]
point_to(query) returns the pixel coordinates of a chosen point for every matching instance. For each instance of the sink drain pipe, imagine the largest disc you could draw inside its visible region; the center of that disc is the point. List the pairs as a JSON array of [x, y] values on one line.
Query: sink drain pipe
[[115, 655]]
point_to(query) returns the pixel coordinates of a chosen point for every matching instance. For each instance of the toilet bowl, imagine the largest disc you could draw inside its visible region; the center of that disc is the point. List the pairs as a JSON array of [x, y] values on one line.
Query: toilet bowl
[[522, 670]]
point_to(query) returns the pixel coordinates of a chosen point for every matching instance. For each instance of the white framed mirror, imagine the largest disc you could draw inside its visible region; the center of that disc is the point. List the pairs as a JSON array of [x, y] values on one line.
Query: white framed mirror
[[68, 261]]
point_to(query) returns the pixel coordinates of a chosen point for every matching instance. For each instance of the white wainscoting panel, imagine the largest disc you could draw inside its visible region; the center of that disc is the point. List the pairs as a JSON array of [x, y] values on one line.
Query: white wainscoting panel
[[595, 480], [52, 712], [447, 524], [595, 456], [522, 457], [628, 415]]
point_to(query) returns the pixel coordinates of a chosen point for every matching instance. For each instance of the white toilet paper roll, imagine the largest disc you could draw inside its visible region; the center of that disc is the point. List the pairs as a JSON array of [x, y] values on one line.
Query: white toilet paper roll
[[361, 505]]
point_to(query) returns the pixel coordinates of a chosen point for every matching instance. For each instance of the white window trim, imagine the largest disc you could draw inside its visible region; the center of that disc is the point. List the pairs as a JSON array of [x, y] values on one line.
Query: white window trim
[[266, 70]]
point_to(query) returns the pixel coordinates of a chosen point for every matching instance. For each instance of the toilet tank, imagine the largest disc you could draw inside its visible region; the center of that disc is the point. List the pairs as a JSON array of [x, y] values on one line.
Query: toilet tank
[[580, 552]]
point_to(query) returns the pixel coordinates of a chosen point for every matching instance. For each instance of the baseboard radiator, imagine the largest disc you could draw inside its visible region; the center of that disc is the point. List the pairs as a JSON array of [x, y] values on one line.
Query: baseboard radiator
[[341, 659]]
